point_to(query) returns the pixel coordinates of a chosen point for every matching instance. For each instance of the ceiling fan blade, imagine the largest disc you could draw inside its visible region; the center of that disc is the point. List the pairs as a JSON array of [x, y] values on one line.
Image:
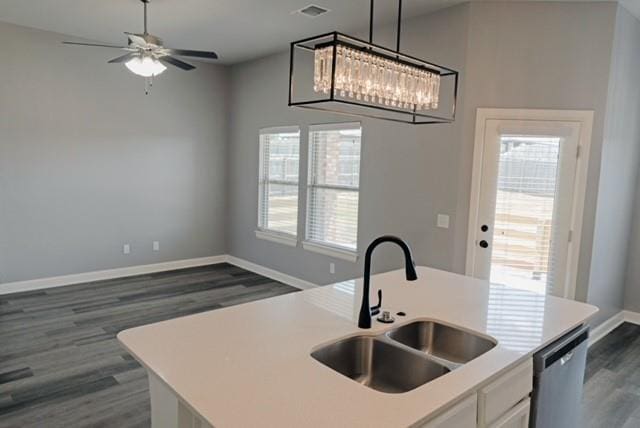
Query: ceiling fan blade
[[99, 45], [194, 54], [123, 58], [176, 62]]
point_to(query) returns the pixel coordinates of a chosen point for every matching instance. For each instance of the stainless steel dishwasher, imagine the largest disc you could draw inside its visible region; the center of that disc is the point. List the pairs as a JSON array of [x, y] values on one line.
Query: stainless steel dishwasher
[[558, 375]]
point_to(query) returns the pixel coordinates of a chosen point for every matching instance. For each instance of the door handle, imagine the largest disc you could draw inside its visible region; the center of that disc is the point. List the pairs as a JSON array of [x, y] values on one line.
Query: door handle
[[483, 244], [564, 360]]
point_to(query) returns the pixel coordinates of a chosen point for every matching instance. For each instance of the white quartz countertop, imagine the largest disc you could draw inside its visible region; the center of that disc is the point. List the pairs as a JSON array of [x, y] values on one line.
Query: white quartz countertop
[[250, 365]]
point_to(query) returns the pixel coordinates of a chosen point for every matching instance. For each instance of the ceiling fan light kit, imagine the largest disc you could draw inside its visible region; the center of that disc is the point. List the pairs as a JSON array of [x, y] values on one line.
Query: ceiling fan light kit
[[147, 56], [145, 66], [342, 74]]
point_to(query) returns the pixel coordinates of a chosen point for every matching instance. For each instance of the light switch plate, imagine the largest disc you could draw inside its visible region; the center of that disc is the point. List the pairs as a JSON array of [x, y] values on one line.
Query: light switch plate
[[443, 221], [156, 245], [126, 249]]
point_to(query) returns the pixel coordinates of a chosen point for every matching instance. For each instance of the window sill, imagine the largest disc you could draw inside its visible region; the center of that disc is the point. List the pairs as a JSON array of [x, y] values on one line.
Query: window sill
[[338, 253], [280, 238]]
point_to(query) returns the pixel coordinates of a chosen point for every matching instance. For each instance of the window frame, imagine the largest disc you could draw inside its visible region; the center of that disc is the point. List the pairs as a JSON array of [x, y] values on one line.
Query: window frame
[[323, 247], [262, 231]]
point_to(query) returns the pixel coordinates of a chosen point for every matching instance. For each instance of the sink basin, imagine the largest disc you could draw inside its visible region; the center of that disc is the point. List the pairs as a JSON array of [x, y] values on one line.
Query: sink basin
[[442, 342], [379, 364], [403, 358]]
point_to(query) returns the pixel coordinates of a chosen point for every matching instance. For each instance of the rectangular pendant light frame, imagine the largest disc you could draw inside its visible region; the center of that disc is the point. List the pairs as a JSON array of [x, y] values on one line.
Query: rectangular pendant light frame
[[332, 102]]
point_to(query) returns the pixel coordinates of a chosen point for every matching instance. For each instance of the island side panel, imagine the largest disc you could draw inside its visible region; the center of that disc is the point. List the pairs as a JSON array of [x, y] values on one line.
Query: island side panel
[[164, 404], [167, 411]]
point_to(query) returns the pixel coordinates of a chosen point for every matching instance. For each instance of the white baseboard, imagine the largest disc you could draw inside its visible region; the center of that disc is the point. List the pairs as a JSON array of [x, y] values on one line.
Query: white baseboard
[[612, 323], [606, 327], [270, 273], [79, 278], [632, 317]]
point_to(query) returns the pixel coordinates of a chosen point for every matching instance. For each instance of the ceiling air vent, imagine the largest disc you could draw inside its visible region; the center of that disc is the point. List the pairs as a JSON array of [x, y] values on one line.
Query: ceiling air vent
[[313, 11]]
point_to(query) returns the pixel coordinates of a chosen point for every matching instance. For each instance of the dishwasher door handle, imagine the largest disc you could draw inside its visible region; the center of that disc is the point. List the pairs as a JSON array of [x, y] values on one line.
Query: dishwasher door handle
[[564, 360]]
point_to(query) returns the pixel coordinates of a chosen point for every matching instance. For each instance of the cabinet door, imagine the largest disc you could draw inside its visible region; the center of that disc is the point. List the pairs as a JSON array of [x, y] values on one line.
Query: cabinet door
[[497, 398], [462, 415], [518, 417]]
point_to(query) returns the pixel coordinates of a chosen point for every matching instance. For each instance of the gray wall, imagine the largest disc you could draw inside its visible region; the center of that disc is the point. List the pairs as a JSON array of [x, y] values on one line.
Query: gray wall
[[520, 55], [409, 174], [625, 144], [88, 162], [541, 55], [618, 172]]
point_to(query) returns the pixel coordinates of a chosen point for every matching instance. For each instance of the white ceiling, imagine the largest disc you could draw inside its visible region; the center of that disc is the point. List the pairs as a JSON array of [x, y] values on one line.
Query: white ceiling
[[236, 29]]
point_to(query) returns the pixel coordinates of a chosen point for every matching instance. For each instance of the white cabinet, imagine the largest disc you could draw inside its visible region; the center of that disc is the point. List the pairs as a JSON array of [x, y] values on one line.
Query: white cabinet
[[518, 417], [462, 415], [503, 394], [504, 403]]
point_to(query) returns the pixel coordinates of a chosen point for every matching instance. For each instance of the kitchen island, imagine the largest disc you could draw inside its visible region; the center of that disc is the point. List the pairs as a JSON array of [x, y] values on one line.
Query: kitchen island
[[251, 365]]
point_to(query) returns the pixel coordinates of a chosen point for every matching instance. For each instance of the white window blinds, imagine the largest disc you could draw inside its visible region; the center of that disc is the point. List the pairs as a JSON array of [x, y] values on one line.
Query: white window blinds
[[278, 180], [525, 209], [334, 184]]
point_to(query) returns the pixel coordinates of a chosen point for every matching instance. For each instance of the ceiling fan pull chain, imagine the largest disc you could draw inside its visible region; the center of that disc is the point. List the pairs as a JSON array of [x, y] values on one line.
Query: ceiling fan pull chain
[[148, 83]]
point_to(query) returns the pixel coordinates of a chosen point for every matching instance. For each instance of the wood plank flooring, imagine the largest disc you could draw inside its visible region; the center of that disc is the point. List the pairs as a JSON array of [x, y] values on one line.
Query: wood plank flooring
[[60, 362], [611, 396], [61, 365]]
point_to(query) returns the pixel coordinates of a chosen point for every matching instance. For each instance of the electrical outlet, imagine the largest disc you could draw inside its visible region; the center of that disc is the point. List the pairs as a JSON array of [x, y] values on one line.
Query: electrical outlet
[[156, 245], [443, 221], [332, 268], [126, 249]]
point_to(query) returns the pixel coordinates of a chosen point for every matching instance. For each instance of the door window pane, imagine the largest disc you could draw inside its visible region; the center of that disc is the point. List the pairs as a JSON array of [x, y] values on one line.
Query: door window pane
[[524, 216]]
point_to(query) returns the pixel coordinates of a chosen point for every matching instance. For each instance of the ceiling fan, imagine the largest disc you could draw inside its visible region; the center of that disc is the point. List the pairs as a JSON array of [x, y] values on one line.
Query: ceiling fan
[[146, 55]]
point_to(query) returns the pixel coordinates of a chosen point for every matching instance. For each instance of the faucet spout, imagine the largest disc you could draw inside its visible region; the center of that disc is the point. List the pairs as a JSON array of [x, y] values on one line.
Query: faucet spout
[[364, 320]]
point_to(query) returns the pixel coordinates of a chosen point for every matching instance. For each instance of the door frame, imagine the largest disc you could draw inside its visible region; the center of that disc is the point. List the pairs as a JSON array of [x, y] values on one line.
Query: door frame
[[585, 119]]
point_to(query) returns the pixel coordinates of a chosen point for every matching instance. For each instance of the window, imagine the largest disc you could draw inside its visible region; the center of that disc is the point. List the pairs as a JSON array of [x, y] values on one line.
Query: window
[[333, 188], [278, 182]]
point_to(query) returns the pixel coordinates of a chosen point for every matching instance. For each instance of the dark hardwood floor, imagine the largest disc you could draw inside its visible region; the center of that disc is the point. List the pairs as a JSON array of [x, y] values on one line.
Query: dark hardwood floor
[[61, 365], [60, 362], [612, 382]]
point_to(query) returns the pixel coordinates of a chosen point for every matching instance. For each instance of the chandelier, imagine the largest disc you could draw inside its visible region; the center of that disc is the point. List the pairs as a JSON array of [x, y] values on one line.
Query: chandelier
[[368, 77], [343, 74]]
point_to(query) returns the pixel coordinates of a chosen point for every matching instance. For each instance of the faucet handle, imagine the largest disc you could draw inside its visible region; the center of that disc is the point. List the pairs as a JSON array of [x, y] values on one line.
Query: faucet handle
[[375, 310]]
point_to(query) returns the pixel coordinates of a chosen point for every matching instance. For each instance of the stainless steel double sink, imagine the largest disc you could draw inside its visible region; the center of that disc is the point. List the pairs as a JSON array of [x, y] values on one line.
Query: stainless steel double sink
[[404, 358]]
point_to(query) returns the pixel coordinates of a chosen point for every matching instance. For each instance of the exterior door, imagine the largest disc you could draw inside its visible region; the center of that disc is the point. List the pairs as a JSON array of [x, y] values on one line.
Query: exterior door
[[522, 229]]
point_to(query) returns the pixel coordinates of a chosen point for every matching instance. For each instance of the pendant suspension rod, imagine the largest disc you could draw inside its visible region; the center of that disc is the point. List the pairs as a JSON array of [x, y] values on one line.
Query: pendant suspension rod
[[399, 25], [145, 16], [371, 14], [371, 23]]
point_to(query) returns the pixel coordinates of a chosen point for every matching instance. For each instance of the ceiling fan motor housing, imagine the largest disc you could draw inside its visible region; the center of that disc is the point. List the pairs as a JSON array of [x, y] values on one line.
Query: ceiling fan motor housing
[[150, 39]]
